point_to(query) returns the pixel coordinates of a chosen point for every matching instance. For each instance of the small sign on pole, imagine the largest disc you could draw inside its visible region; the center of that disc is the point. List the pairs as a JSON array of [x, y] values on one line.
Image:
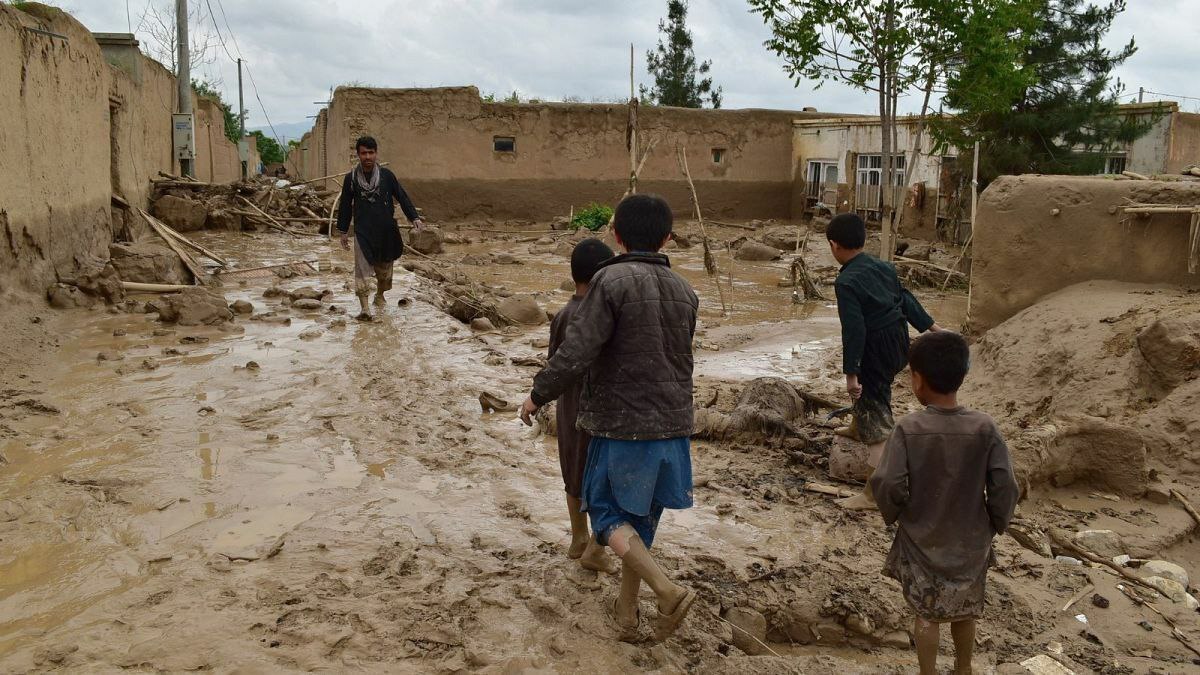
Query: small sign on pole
[[183, 135]]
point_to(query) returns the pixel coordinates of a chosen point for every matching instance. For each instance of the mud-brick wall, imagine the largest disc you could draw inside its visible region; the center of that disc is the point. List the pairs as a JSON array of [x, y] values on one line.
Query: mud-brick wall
[[1024, 251], [440, 144], [1185, 142], [217, 159], [140, 104], [54, 148]]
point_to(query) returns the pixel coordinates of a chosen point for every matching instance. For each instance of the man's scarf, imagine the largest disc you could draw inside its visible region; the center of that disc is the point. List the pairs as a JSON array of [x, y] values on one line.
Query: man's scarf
[[367, 186]]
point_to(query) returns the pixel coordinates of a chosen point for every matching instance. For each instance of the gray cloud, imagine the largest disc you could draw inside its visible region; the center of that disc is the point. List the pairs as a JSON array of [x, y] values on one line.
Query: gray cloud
[[549, 49]]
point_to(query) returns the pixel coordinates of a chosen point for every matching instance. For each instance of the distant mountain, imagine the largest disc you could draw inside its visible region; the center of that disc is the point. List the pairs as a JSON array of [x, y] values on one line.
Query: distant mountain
[[287, 130]]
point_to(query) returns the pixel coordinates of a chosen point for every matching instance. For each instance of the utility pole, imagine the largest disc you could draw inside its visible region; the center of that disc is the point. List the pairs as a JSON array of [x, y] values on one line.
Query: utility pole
[[184, 73], [1141, 93], [242, 123]]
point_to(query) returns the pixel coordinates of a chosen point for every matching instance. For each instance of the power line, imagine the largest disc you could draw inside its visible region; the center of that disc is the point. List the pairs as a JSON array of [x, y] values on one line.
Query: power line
[[228, 28], [217, 26], [1159, 93], [278, 138]]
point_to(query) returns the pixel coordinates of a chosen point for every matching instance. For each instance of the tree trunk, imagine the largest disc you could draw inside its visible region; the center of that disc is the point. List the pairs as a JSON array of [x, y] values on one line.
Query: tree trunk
[[914, 163]]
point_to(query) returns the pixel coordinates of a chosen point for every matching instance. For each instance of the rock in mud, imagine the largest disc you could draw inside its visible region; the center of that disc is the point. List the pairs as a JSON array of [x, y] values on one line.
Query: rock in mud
[[148, 262], [1105, 543], [564, 249], [66, 296], [848, 459], [306, 304], [242, 307], [311, 333], [1171, 589], [750, 630], [194, 307], [100, 281], [184, 215], [682, 241], [1169, 352], [427, 240], [505, 259], [522, 309], [223, 219], [782, 238], [754, 251], [307, 293], [482, 324], [1167, 570]]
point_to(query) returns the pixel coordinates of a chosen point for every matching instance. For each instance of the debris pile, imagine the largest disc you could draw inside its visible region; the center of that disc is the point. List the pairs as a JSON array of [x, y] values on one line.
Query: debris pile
[[187, 205]]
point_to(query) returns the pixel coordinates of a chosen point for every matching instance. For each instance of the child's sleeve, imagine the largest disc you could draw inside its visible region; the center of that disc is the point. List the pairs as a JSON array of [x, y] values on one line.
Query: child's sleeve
[[854, 328], [1002, 490], [890, 480], [585, 336], [914, 312]]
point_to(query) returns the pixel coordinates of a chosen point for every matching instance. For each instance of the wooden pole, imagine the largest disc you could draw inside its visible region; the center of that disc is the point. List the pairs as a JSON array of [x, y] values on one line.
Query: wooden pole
[[710, 264], [193, 267], [138, 287], [633, 128]]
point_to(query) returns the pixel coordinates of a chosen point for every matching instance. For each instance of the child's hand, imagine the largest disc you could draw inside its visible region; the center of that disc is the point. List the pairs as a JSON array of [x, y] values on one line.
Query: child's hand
[[853, 387], [528, 408]]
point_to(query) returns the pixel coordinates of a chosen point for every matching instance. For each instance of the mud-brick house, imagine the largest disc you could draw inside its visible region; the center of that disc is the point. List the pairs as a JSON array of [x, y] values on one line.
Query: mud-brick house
[[839, 167]]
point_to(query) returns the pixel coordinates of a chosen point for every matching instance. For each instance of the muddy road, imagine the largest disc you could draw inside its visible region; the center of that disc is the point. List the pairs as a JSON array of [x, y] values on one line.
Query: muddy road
[[305, 492]]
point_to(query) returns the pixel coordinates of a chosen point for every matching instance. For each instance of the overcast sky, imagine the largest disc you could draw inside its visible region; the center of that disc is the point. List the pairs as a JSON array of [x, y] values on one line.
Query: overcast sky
[[297, 49]]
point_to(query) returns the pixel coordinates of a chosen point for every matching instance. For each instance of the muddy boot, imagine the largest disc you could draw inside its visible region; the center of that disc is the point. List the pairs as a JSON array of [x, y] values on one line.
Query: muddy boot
[[379, 301]]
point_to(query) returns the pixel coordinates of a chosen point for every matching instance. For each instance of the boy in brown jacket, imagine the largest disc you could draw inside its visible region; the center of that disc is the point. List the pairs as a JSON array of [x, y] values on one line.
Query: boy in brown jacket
[[631, 344], [947, 479]]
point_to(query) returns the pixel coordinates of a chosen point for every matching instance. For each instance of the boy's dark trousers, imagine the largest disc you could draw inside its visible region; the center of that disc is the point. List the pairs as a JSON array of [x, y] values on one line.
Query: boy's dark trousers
[[885, 354]]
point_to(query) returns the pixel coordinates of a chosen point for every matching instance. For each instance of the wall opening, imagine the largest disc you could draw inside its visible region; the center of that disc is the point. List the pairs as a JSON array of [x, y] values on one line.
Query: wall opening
[[504, 144], [718, 155]]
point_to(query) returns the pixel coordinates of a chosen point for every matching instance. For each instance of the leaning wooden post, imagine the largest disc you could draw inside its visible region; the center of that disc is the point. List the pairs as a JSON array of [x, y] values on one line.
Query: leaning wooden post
[[710, 262]]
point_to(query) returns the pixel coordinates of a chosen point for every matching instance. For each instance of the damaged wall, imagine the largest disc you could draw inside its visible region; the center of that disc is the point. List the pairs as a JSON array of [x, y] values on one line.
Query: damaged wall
[[1023, 251], [440, 142], [54, 148]]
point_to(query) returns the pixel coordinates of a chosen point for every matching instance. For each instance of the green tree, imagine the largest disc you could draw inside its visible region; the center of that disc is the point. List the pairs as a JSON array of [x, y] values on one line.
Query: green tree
[[207, 90], [269, 149], [674, 68], [1053, 108]]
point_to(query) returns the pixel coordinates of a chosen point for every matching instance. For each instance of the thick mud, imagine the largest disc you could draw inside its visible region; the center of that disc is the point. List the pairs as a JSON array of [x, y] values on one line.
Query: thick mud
[[326, 494]]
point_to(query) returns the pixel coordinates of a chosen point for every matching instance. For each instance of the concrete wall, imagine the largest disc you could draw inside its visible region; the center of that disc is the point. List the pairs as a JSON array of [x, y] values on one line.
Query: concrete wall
[[55, 185], [440, 144], [1023, 252], [1147, 154]]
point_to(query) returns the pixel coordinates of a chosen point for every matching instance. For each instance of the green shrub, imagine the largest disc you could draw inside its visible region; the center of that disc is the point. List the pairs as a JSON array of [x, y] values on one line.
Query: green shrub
[[592, 217]]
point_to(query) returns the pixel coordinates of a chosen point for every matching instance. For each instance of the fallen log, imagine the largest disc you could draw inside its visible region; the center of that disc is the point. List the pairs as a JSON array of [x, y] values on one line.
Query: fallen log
[[1187, 505], [139, 287], [179, 183], [1135, 176]]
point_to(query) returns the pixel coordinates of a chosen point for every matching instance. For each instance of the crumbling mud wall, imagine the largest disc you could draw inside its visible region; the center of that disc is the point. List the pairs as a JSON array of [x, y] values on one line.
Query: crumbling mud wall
[[1038, 234], [54, 148], [442, 144], [140, 103]]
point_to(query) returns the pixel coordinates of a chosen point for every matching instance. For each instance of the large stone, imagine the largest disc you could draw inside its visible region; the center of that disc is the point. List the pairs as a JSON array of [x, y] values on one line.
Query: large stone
[[222, 219], [749, 630], [427, 240], [482, 324], [1105, 543], [522, 309], [242, 307], [307, 293], [194, 307], [148, 262], [1166, 570], [564, 249], [1169, 588], [783, 238], [1169, 352], [66, 296], [848, 459], [306, 304], [754, 251], [100, 281], [184, 215]]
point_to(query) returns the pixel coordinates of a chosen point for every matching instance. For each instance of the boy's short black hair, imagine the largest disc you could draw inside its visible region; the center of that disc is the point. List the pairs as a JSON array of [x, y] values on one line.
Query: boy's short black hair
[[847, 230], [367, 142], [643, 222], [942, 358], [586, 257]]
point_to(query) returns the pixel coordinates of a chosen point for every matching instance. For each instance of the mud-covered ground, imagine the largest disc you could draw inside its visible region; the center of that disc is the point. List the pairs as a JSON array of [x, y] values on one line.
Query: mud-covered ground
[[327, 495]]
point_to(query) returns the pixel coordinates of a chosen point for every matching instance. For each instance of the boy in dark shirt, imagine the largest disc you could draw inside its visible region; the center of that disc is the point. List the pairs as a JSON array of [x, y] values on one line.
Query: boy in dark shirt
[[631, 343], [573, 443], [947, 479], [873, 308]]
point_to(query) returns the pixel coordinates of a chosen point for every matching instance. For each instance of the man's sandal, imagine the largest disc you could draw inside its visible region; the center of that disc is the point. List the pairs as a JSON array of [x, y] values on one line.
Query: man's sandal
[[667, 624], [626, 632]]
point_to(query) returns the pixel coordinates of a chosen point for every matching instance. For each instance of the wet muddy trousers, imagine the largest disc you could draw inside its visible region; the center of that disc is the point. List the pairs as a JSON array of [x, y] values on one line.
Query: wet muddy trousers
[[364, 271]]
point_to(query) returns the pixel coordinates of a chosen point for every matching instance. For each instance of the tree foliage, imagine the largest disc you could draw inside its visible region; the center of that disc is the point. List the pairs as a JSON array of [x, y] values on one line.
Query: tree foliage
[[269, 150], [1053, 106], [674, 68], [208, 91]]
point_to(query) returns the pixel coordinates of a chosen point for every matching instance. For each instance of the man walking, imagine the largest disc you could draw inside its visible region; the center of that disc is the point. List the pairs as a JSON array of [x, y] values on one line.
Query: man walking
[[368, 193]]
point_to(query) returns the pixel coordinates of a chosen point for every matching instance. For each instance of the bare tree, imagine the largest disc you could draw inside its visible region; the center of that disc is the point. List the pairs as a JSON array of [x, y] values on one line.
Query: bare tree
[[157, 29]]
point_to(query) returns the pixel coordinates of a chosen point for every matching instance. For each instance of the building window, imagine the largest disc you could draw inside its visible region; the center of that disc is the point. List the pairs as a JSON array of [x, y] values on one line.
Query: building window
[[869, 178], [822, 180], [504, 144], [1114, 165], [718, 155]]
